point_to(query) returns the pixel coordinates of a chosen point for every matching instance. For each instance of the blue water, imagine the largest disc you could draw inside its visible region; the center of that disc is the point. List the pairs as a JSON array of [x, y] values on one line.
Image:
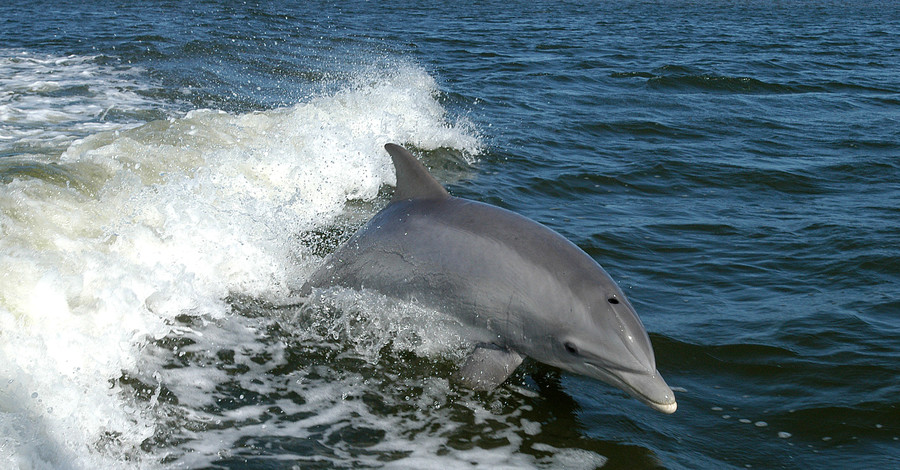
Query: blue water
[[172, 172]]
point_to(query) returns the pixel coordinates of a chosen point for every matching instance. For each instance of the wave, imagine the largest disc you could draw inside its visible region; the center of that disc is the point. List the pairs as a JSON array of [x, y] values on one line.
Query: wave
[[109, 246], [688, 79], [673, 77], [718, 83]]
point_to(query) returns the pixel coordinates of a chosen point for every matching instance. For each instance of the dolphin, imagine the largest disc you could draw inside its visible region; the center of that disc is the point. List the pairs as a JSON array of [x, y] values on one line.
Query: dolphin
[[521, 288]]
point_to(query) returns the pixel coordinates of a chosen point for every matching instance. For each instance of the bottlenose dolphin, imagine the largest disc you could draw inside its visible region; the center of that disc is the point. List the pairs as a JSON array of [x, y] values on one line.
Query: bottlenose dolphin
[[522, 288]]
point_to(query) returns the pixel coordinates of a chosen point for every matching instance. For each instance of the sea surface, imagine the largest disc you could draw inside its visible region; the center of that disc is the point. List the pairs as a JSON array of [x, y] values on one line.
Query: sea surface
[[172, 172]]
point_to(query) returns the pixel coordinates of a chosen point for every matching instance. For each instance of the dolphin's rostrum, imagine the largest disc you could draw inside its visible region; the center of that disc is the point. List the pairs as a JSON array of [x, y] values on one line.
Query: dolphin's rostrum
[[522, 288]]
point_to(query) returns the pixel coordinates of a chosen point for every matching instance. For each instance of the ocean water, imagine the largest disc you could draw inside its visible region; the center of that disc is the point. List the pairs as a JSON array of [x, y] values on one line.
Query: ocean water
[[170, 174]]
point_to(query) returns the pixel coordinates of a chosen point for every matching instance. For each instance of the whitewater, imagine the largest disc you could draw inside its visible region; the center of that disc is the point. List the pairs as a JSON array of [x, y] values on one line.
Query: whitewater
[[108, 246]]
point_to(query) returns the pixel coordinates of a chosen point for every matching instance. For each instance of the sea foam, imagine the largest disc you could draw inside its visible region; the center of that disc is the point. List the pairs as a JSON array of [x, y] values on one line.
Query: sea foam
[[141, 226]]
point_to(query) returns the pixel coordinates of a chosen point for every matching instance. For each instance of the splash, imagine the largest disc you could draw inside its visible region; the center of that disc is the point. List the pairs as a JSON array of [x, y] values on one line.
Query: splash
[[106, 249]]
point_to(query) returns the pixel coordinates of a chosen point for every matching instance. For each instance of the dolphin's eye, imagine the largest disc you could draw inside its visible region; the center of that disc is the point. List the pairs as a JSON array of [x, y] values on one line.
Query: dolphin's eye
[[571, 349], [613, 300]]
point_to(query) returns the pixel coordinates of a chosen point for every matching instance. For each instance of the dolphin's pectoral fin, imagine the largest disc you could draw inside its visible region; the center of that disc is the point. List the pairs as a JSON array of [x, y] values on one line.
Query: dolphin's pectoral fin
[[487, 367]]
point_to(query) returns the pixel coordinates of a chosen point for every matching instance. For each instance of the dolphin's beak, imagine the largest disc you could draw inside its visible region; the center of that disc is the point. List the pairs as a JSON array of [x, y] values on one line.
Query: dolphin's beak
[[648, 388]]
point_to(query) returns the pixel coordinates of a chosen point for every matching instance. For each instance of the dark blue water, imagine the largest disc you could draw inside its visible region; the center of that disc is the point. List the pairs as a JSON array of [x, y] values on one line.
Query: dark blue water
[[735, 166]]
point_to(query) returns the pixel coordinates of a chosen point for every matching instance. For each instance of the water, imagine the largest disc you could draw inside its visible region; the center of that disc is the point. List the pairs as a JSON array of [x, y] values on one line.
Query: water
[[171, 174]]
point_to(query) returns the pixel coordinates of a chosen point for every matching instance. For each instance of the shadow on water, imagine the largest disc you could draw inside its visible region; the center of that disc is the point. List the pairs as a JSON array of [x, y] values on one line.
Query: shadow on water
[[560, 414]]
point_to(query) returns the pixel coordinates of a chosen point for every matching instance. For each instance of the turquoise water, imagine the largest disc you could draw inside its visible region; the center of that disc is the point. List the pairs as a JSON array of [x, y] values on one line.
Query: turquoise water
[[171, 174]]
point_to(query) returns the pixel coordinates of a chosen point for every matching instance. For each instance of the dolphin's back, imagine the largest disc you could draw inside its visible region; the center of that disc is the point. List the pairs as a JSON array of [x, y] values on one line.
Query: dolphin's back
[[470, 259]]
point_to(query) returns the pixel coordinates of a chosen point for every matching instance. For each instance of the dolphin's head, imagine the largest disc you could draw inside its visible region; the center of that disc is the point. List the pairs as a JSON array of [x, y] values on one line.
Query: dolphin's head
[[607, 341]]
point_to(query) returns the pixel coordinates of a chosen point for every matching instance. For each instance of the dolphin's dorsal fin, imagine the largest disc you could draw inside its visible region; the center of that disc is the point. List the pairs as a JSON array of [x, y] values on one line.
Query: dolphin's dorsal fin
[[413, 179]]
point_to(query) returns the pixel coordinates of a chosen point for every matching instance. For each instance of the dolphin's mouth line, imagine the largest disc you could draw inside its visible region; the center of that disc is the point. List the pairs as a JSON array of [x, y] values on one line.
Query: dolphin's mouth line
[[665, 407], [608, 366]]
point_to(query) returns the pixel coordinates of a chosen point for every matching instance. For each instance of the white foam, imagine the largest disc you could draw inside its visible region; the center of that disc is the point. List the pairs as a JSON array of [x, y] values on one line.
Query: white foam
[[418, 421], [335, 401], [167, 219], [46, 101]]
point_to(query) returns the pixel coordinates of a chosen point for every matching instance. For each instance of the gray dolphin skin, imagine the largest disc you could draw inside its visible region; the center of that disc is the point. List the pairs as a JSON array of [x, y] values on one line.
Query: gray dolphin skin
[[522, 289]]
